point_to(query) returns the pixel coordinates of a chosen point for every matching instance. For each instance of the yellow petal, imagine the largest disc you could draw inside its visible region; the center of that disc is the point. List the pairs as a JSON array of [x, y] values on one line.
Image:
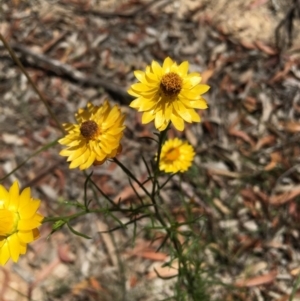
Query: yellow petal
[[100, 155], [140, 75], [147, 104], [28, 224], [88, 162], [30, 209], [2, 241], [4, 196], [199, 104], [136, 103], [14, 197], [139, 87], [183, 68], [168, 110], [23, 248], [133, 93], [4, 253], [191, 80], [25, 236], [152, 77], [25, 197], [195, 117], [36, 233], [7, 221], [178, 122], [71, 141], [38, 218], [113, 115], [163, 126], [147, 117], [189, 94], [159, 119], [81, 159], [200, 89], [183, 112], [167, 65], [156, 68], [14, 247]]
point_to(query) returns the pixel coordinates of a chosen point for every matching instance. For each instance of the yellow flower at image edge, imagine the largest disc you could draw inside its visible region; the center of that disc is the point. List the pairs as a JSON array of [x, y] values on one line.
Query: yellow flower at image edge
[[96, 136], [19, 221], [168, 93], [176, 156]]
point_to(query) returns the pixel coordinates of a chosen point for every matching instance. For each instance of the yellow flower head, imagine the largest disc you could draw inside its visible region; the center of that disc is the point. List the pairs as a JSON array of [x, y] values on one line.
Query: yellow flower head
[[96, 136], [167, 93], [176, 156], [18, 222]]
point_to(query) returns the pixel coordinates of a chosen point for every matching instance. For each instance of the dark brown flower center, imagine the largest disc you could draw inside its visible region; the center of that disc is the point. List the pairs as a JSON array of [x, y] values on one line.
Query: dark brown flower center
[[171, 84], [89, 129]]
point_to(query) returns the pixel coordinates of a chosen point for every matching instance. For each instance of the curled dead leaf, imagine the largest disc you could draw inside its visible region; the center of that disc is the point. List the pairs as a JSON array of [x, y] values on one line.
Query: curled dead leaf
[[206, 75], [264, 141], [242, 135], [285, 197], [251, 104], [276, 158], [265, 48], [258, 280], [291, 126]]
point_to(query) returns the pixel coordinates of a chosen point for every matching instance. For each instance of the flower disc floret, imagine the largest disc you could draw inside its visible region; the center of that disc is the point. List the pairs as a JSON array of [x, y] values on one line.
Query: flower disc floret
[[89, 129], [171, 84], [95, 137], [176, 156], [19, 222], [167, 94]]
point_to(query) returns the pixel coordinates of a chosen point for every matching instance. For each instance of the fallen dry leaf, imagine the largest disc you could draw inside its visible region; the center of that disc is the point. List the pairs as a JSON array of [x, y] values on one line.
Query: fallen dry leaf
[[242, 135], [258, 280], [295, 272], [223, 172], [276, 158], [64, 254], [251, 104], [152, 255], [128, 192], [143, 249], [257, 3], [265, 48], [164, 271], [281, 74], [265, 141], [285, 197], [109, 244], [206, 75], [291, 126], [87, 284]]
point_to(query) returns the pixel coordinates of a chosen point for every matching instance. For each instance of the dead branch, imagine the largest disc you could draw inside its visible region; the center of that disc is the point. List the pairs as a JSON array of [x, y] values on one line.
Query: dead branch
[[60, 69], [287, 23], [133, 14]]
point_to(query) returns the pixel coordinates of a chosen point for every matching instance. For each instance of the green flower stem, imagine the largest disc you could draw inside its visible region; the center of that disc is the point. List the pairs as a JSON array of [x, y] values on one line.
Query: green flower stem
[[42, 98], [151, 196], [132, 176], [161, 139], [184, 270], [102, 210], [43, 148], [70, 217]]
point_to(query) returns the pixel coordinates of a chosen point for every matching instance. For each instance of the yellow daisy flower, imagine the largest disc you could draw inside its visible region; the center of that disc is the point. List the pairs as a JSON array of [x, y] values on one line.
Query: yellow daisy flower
[[176, 156], [18, 222], [96, 136], [168, 93]]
